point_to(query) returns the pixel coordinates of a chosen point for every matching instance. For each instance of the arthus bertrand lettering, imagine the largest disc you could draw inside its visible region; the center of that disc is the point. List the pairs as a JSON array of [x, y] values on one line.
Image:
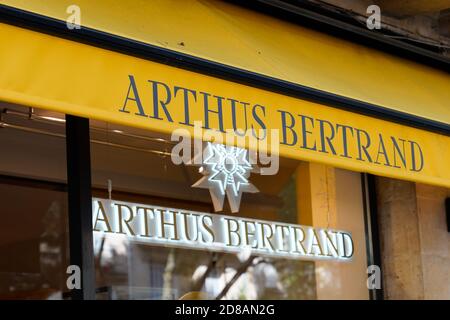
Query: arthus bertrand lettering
[[197, 230], [182, 106]]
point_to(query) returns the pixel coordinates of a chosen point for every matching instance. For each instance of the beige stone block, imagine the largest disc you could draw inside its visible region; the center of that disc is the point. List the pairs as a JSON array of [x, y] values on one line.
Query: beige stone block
[[434, 237], [392, 190], [431, 192], [403, 277], [436, 277], [398, 225]]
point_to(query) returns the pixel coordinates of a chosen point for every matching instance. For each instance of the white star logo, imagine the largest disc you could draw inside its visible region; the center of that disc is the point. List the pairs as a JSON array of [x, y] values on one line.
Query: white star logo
[[226, 171]]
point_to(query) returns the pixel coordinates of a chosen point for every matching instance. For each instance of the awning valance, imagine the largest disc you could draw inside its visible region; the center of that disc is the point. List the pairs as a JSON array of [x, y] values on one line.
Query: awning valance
[[234, 36], [49, 72]]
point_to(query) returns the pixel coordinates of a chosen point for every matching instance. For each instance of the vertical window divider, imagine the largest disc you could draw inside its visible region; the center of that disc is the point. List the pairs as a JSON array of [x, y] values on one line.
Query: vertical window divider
[[373, 249], [80, 205]]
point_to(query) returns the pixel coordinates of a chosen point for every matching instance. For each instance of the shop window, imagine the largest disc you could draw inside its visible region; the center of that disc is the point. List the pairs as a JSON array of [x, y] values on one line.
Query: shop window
[[33, 210], [134, 167]]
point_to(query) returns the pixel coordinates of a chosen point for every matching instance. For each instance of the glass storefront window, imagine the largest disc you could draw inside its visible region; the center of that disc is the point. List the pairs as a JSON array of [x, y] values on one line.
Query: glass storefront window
[[33, 198], [135, 166]]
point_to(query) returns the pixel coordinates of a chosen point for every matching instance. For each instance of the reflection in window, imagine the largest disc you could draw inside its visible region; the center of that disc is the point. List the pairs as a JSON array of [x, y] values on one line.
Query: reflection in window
[[33, 211], [138, 165], [136, 271]]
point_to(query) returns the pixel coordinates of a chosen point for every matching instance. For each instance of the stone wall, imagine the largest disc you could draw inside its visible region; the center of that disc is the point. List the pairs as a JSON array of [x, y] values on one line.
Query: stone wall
[[415, 243]]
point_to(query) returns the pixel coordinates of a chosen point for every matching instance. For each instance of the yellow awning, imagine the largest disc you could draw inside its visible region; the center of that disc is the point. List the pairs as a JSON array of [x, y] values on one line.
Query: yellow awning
[[48, 72], [226, 33]]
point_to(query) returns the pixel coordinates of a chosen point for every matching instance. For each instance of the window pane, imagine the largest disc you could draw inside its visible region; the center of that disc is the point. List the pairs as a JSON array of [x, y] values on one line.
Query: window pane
[[33, 211], [137, 167]]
